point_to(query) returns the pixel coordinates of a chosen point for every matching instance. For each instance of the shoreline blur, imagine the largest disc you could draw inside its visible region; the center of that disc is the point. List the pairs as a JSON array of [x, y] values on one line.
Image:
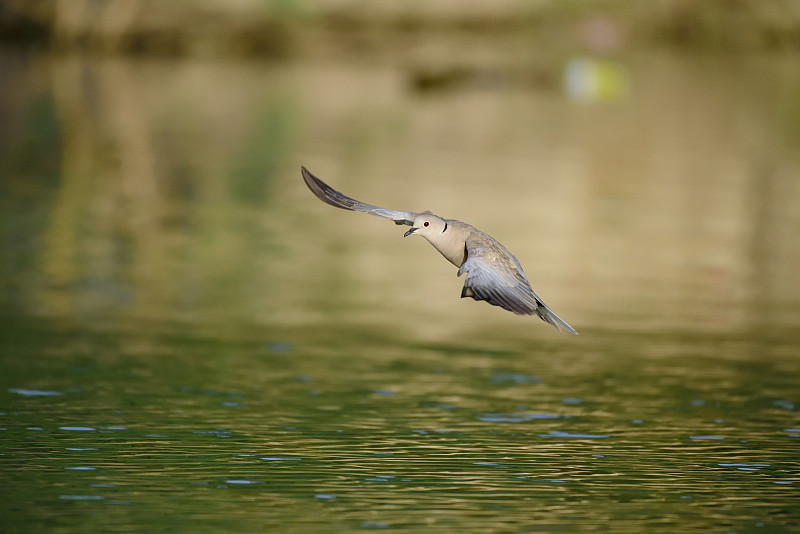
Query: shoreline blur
[[287, 28]]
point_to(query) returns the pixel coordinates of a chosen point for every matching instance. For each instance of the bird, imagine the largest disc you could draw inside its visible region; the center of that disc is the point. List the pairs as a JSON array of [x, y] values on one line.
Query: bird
[[493, 274]]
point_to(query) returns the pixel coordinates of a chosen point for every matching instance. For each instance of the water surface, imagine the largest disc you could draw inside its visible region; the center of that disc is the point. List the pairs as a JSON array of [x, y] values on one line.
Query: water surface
[[193, 343]]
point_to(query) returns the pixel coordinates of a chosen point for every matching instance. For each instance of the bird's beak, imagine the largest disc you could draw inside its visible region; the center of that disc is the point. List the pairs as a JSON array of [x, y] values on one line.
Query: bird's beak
[[410, 232]]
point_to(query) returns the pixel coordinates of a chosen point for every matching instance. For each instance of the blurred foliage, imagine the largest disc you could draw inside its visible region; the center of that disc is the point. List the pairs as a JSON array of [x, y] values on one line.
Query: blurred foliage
[[273, 28], [263, 157], [30, 152]]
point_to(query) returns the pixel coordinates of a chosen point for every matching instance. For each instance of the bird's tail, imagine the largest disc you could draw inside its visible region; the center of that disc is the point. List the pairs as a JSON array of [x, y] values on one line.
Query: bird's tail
[[548, 316]]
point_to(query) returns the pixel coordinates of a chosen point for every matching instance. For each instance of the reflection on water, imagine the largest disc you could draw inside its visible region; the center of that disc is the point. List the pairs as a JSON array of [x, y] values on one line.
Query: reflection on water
[[192, 342], [171, 189]]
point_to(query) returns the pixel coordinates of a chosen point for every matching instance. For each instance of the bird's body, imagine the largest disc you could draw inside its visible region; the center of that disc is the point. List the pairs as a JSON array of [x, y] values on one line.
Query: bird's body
[[493, 273]]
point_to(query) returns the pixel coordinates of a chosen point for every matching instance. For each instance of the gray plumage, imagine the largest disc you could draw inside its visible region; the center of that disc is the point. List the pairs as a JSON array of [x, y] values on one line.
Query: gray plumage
[[493, 273]]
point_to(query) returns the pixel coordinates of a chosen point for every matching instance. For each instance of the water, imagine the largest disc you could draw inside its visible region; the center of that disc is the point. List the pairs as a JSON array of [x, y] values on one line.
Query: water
[[193, 343], [165, 430]]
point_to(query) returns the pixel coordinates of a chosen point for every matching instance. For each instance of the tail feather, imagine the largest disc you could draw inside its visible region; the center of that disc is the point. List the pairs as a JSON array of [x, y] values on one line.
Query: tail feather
[[549, 317]]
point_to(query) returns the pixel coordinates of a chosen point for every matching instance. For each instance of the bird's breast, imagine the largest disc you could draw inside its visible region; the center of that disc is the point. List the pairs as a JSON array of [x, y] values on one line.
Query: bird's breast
[[451, 247]]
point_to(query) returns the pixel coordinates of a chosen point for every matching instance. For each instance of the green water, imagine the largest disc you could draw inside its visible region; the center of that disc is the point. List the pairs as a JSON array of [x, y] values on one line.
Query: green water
[[159, 428], [191, 342]]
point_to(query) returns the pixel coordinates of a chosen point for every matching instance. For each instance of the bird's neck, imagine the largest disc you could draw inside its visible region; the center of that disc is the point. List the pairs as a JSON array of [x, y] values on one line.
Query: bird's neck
[[450, 244]]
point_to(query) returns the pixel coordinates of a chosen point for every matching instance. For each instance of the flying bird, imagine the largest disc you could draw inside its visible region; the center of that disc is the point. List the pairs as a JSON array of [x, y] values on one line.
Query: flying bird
[[493, 273]]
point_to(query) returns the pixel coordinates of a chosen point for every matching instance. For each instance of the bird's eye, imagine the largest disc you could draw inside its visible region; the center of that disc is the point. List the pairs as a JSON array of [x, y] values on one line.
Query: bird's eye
[[426, 223]]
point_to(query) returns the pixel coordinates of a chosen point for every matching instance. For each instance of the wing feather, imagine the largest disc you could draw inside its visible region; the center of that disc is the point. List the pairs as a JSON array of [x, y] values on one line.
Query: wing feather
[[329, 195], [495, 275]]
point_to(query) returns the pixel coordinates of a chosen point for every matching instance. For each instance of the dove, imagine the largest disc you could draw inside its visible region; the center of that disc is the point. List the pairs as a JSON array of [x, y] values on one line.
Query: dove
[[493, 273]]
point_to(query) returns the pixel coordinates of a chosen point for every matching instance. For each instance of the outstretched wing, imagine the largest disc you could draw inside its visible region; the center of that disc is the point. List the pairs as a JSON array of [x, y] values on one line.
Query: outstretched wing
[[327, 194], [495, 275]]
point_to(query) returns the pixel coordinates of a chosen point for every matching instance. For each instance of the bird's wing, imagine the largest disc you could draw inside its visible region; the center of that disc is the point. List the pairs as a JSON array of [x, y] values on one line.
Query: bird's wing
[[495, 275], [492, 277], [333, 197]]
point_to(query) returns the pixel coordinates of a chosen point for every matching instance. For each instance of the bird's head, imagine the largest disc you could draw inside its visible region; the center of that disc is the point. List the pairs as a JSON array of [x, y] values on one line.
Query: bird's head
[[427, 225]]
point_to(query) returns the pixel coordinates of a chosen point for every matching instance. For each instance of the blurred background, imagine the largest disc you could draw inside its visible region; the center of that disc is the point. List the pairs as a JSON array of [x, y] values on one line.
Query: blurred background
[[191, 341], [639, 158]]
